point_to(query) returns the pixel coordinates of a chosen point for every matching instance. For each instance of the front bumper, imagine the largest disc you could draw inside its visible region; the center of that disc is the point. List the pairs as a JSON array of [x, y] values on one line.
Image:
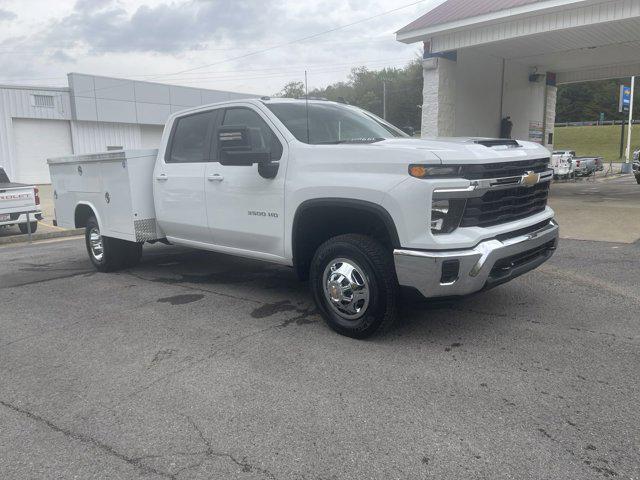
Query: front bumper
[[490, 263]]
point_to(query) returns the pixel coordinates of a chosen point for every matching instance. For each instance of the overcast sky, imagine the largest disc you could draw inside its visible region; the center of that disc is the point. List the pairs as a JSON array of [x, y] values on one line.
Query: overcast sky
[[42, 40]]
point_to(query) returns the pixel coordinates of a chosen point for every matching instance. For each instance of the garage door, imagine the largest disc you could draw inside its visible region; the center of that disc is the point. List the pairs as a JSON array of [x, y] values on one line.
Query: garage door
[[36, 140]]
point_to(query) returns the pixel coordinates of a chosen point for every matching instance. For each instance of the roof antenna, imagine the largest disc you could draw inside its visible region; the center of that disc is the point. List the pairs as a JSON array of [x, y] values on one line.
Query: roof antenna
[[306, 101]]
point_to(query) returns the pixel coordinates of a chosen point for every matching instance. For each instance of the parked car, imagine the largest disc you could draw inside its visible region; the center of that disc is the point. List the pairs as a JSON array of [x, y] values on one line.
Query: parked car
[[562, 164], [15, 200], [587, 166], [599, 164], [346, 199]]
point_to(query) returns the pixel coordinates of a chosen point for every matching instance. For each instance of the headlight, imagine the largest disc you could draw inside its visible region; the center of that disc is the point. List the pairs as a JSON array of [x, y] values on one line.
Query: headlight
[[435, 171], [446, 215]]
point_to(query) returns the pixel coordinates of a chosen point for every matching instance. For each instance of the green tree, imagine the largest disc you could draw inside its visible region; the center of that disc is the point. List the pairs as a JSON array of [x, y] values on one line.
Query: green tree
[[292, 90], [581, 102], [364, 88]]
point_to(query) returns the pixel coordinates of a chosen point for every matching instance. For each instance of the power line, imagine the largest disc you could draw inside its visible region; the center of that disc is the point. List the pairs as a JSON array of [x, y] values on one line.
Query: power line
[[262, 73], [299, 40], [91, 50]]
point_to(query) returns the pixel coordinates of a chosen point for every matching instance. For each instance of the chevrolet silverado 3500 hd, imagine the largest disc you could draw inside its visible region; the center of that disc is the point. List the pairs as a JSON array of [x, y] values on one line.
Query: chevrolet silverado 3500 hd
[[346, 199]]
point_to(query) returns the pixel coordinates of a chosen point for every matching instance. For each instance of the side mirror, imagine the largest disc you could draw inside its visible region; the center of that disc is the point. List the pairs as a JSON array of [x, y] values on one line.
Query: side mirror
[[235, 147]]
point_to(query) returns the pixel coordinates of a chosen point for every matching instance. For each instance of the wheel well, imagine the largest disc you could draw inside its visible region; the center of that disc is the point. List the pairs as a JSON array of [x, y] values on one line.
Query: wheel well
[[317, 221], [82, 214]]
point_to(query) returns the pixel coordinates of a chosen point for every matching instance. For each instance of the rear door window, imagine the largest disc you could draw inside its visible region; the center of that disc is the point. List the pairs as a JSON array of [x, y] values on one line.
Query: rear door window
[[190, 139]]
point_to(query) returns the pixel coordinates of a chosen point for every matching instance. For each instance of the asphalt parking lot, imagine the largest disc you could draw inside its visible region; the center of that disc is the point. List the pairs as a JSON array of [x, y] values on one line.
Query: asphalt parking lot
[[199, 365]]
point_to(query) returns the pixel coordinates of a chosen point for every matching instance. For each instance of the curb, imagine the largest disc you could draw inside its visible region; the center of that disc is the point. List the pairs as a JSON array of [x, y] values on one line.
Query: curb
[[614, 176], [40, 236]]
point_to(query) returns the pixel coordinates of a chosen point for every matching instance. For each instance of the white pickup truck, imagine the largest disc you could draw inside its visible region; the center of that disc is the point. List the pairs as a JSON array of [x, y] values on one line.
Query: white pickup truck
[[346, 199], [19, 205]]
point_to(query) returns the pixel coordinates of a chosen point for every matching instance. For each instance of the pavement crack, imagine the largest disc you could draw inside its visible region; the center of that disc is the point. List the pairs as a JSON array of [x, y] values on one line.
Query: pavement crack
[[210, 452], [87, 440], [88, 273], [590, 281], [199, 361]]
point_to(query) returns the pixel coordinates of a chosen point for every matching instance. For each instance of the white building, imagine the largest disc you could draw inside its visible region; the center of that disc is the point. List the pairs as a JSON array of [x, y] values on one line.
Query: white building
[[487, 60], [92, 114]]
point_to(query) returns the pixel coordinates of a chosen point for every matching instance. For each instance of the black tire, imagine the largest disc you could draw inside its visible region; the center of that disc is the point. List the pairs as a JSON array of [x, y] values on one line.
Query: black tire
[[23, 227], [116, 254], [638, 179], [376, 263]]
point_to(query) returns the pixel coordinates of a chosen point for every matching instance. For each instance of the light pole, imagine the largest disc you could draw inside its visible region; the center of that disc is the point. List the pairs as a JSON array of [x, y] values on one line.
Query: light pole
[[384, 99], [628, 152]]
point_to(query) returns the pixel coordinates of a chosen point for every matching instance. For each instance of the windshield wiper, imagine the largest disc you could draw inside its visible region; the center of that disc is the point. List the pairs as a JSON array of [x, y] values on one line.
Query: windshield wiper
[[352, 140]]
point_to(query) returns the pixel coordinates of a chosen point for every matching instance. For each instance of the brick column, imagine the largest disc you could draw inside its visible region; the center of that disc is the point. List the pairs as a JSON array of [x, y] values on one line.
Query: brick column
[[438, 104], [550, 115]]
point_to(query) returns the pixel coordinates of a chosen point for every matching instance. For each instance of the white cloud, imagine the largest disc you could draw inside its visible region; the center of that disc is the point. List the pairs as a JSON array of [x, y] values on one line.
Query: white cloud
[[7, 15], [150, 38]]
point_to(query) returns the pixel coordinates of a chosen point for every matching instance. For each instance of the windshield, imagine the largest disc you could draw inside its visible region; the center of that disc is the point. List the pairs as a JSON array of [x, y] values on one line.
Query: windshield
[[332, 124]]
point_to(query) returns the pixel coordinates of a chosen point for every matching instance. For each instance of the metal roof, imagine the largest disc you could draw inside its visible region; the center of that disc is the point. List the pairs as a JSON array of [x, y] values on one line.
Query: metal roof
[[453, 10]]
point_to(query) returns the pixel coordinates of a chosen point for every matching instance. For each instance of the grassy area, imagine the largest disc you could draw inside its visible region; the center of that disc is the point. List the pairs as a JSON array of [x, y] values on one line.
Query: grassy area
[[598, 141]]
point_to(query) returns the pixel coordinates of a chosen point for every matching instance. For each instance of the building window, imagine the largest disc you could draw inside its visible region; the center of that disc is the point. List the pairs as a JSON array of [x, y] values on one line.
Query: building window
[[43, 101], [113, 148]]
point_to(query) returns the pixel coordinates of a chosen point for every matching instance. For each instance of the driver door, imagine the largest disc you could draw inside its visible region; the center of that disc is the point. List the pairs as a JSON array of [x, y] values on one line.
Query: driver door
[[245, 207]]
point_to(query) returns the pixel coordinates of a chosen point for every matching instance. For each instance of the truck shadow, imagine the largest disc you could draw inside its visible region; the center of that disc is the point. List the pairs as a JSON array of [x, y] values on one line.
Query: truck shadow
[[173, 266], [279, 290]]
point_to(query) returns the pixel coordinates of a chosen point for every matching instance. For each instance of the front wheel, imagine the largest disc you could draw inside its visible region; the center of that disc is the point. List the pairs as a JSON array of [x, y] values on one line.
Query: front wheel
[[109, 254], [354, 285], [638, 179]]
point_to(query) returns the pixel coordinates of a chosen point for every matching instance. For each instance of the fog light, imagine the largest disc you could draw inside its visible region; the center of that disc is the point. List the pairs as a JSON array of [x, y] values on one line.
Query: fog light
[[446, 215], [450, 271], [439, 211]]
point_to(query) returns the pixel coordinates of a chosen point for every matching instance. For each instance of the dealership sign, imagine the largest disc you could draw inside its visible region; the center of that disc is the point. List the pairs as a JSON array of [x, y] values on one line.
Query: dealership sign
[[625, 98]]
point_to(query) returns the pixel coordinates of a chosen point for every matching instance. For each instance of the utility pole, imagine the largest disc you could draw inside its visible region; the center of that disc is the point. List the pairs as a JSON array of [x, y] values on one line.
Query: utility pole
[[384, 99], [628, 154], [622, 139]]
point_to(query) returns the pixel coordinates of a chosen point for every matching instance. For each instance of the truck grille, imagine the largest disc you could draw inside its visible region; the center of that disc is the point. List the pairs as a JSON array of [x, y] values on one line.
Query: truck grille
[[505, 169], [502, 206]]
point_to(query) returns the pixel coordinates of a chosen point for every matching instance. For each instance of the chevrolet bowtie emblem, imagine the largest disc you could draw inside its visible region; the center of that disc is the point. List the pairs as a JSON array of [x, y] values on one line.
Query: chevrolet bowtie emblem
[[530, 179]]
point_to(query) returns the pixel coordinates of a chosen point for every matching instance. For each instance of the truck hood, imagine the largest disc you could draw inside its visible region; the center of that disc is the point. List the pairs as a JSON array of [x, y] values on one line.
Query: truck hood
[[465, 150]]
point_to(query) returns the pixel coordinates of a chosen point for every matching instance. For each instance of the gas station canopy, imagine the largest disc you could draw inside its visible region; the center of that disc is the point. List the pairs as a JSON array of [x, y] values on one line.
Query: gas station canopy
[[487, 62], [580, 40]]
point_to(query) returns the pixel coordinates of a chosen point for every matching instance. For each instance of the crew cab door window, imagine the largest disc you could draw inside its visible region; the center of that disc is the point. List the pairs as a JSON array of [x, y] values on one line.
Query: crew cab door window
[[190, 139]]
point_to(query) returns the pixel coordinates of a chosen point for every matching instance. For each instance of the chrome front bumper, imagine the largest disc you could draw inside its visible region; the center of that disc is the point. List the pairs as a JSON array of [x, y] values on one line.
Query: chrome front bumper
[[490, 263]]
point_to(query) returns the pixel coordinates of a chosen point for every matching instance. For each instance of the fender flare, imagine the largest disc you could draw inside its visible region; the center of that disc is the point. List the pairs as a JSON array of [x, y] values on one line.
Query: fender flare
[[351, 203], [93, 209]]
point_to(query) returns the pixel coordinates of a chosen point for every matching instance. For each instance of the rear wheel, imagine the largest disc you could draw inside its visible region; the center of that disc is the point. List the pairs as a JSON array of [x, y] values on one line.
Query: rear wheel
[[638, 179], [354, 285], [23, 227], [109, 254]]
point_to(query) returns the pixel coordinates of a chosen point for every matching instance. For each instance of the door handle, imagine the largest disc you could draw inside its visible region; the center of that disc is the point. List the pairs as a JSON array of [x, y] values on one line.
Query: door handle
[[215, 177], [162, 177]]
